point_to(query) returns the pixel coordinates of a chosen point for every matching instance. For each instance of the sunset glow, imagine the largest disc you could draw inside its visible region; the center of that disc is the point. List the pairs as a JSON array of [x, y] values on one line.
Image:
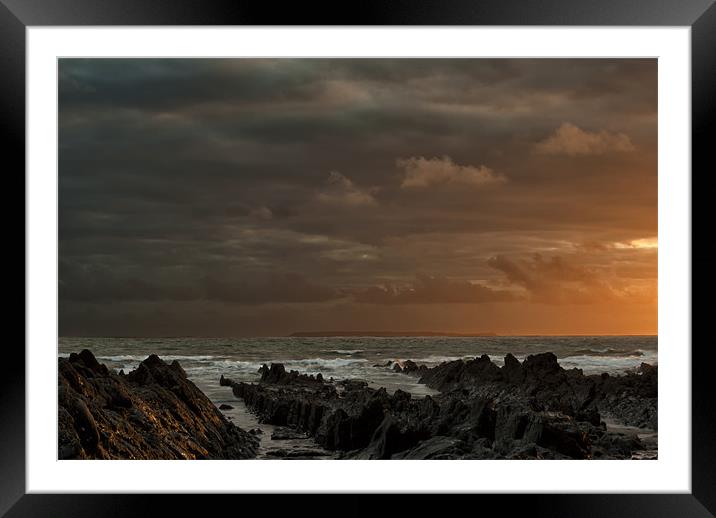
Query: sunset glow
[[256, 197]]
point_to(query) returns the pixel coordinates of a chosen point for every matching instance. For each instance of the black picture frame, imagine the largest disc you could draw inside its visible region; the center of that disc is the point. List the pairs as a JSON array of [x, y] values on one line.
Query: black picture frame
[[700, 15]]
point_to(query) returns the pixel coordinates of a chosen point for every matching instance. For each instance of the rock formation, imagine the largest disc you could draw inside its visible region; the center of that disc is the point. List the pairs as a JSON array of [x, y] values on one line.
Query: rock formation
[[530, 410], [153, 412]]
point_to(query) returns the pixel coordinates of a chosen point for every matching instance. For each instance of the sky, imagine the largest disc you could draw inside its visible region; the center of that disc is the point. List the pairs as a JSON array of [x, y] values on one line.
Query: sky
[[261, 197]]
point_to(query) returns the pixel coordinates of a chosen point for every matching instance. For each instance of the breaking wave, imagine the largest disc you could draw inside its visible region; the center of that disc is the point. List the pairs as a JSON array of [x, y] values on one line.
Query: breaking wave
[[324, 362], [594, 364], [165, 357], [607, 352]]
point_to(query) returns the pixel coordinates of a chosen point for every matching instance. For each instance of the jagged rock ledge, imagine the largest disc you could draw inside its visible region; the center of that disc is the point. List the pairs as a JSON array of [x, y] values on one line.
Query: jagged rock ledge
[[520, 411], [153, 412], [630, 398]]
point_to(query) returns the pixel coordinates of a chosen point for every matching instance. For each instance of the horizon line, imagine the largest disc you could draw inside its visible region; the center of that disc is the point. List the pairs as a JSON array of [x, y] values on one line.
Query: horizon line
[[414, 335]]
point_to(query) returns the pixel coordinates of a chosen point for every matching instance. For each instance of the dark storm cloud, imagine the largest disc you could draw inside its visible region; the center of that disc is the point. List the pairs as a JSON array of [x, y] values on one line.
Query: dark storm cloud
[[102, 284], [160, 85], [292, 288], [105, 284], [247, 182], [433, 290]]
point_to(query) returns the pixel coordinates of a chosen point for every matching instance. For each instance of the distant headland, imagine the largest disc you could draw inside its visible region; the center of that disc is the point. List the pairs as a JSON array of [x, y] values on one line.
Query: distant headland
[[384, 333]]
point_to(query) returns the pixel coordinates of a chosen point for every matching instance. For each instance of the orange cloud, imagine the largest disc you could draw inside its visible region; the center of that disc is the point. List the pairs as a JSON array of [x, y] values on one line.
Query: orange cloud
[[571, 140], [426, 172], [341, 190]]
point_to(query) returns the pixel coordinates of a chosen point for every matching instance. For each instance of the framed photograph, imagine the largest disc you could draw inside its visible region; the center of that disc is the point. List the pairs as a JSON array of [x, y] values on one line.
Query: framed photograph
[[423, 251]]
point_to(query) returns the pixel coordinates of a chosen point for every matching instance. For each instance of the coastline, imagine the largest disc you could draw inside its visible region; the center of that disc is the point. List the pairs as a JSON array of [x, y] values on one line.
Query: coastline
[[534, 409]]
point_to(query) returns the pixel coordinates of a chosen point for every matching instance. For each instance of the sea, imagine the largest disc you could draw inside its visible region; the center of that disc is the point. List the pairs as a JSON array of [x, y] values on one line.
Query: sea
[[205, 360]]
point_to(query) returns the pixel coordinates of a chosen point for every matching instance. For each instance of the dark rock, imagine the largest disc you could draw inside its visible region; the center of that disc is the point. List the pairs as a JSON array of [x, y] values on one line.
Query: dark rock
[[558, 433], [535, 452], [445, 376], [483, 368], [119, 396], [530, 410], [435, 448], [295, 453], [541, 381], [391, 437], [153, 412], [631, 399], [224, 406], [178, 368], [540, 365], [647, 369], [512, 370], [401, 400], [621, 444], [277, 374], [89, 361], [409, 367], [590, 415], [84, 425], [283, 433], [353, 384]]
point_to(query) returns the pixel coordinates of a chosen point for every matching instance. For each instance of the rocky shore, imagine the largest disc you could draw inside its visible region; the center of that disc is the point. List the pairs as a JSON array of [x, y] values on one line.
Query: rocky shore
[[152, 412], [529, 410], [523, 410]]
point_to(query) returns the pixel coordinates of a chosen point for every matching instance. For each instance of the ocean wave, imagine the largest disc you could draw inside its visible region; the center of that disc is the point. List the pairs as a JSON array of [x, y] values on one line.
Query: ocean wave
[[607, 352], [227, 363], [347, 351], [433, 360], [198, 364], [323, 362], [611, 364], [165, 357]]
